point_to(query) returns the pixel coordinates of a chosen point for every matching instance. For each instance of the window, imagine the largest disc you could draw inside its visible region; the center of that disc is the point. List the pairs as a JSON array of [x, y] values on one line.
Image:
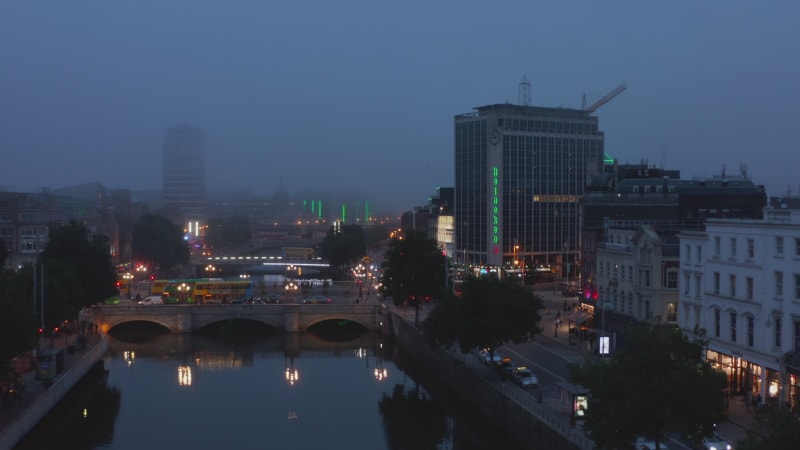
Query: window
[[716, 282], [697, 286], [686, 283], [716, 322], [733, 285], [778, 284], [630, 273], [797, 337], [688, 253], [699, 254], [648, 313], [778, 332], [749, 288], [797, 246], [716, 247], [751, 249], [622, 273], [797, 287], [779, 245], [733, 327], [645, 278], [733, 248], [750, 331], [672, 279]]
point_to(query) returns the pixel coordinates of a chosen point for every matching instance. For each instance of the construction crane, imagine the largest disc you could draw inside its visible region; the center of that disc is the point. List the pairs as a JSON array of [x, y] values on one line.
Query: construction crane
[[607, 98]]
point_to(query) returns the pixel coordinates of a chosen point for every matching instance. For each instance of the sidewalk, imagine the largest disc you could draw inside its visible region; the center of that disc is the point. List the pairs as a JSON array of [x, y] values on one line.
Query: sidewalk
[[35, 388], [740, 418]]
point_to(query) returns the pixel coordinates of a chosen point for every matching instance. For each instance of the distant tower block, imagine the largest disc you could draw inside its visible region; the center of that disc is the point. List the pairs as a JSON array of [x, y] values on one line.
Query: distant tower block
[[524, 98]]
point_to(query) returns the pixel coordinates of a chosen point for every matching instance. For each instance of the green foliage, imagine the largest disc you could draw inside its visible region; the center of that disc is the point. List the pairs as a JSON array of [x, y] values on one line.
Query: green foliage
[[488, 314], [17, 321], [228, 232], [657, 384], [345, 246], [412, 410], [3, 253], [413, 269], [78, 269], [782, 431], [160, 242]]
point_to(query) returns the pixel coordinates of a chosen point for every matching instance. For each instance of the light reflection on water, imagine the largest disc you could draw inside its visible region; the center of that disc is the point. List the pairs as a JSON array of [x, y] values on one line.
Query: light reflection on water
[[293, 391]]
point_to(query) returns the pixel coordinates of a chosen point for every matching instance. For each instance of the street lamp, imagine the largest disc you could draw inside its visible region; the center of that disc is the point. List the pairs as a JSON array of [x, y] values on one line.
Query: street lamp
[[290, 287], [128, 277]]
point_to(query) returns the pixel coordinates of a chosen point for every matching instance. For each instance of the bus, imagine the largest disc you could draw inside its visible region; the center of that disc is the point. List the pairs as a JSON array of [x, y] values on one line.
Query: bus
[[207, 290]]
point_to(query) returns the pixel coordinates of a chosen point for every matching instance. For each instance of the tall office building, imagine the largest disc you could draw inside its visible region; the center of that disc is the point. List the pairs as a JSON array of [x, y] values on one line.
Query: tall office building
[[184, 173], [520, 172]]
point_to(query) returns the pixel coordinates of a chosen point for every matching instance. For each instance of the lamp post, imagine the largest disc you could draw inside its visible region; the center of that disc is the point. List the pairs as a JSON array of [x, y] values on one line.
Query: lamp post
[[128, 277]]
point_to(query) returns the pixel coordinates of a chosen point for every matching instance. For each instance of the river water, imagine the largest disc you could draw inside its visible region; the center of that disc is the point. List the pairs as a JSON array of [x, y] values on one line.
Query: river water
[[261, 391]]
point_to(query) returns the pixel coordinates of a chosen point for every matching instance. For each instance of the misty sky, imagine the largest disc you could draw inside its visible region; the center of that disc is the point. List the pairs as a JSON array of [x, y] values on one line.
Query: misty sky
[[360, 95]]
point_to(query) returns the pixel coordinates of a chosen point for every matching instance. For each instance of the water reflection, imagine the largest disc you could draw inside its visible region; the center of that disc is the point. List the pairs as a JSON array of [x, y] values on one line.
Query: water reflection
[[296, 391]]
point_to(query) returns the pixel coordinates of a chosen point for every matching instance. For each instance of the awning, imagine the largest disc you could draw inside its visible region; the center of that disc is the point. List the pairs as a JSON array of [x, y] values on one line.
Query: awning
[[578, 317]]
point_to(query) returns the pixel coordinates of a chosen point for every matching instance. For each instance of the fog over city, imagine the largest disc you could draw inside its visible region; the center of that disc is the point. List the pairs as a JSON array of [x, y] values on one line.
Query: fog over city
[[359, 96]]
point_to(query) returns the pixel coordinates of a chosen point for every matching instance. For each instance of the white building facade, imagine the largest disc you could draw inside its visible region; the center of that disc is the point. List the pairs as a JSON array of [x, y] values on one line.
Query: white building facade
[[637, 276], [740, 291]]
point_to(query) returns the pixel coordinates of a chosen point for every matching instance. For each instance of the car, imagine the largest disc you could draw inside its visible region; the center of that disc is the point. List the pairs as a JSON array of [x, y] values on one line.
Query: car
[[649, 444], [524, 378], [317, 300], [505, 367], [273, 298], [152, 300], [487, 358], [715, 442]]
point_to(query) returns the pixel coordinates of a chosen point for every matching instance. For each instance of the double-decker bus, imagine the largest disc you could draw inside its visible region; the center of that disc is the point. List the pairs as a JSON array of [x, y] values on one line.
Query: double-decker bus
[[207, 290]]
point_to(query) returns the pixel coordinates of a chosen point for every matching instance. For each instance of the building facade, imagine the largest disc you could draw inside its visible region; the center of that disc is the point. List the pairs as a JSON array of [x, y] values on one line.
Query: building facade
[[520, 172], [637, 279], [184, 194], [740, 290]]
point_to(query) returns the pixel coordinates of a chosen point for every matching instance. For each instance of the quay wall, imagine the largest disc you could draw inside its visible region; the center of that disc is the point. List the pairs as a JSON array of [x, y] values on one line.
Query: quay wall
[[35, 412], [513, 410]]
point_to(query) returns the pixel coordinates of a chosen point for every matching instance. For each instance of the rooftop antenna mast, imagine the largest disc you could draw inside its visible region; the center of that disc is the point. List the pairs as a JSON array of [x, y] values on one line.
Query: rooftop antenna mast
[[524, 98]]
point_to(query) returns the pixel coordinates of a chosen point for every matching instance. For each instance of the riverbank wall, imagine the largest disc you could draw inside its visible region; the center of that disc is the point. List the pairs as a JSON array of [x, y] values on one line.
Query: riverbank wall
[[12, 434], [516, 412]]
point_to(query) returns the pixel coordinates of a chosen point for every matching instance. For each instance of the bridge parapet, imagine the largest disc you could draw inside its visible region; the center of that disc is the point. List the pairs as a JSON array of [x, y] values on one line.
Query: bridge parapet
[[284, 317]]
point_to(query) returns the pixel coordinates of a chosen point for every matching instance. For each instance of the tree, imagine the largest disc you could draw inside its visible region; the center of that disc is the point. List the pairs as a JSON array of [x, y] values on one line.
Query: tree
[[78, 265], [17, 322], [782, 430], [413, 270], [160, 242], [228, 232], [343, 246], [657, 384], [489, 313], [3, 253]]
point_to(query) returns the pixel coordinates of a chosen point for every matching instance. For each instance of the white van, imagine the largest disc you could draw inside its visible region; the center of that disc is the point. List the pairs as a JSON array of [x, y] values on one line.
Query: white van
[[152, 300]]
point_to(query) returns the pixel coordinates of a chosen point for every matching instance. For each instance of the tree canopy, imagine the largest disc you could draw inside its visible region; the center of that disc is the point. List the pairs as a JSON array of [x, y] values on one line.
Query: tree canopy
[[414, 269], [77, 270], [489, 313], [344, 245], [159, 242], [229, 232], [781, 431], [17, 321], [658, 384]]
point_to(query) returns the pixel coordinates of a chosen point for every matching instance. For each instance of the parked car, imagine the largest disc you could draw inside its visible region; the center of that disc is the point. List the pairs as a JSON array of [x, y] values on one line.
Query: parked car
[[487, 358], [649, 444], [505, 367], [317, 300], [715, 442], [524, 378]]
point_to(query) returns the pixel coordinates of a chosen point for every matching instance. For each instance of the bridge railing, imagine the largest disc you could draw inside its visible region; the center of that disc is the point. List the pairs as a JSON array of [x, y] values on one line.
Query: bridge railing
[[362, 308]]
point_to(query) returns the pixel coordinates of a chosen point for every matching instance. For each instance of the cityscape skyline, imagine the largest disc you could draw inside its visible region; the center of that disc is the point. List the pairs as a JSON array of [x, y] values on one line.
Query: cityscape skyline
[[361, 97]]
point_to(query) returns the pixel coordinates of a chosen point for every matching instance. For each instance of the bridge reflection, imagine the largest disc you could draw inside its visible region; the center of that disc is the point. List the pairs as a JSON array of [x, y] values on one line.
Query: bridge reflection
[[210, 353]]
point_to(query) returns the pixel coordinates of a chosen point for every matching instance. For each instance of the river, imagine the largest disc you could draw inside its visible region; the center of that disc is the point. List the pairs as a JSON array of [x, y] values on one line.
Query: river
[[256, 390]]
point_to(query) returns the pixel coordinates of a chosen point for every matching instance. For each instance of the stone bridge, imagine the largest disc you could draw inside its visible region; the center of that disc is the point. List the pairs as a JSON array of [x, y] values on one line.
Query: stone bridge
[[284, 317]]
